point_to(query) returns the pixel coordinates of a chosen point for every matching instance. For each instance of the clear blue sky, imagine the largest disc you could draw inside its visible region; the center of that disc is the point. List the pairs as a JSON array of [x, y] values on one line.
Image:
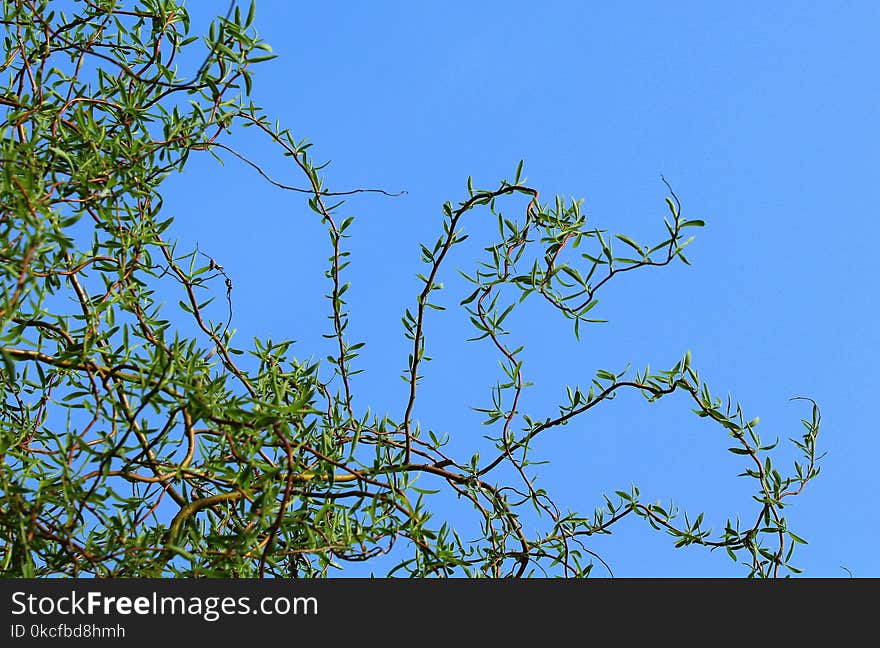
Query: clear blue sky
[[763, 116]]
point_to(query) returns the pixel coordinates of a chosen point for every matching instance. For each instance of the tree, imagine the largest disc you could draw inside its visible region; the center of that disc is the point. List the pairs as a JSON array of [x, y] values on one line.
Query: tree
[[135, 443]]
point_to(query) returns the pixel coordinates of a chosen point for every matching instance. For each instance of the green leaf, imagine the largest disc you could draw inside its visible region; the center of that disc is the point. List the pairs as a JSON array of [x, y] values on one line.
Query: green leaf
[[518, 175], [635, 246], [797, 538], [8, 364]]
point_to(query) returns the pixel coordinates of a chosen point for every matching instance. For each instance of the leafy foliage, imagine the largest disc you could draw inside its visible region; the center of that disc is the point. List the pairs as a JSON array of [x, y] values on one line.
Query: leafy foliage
[[134, 444]]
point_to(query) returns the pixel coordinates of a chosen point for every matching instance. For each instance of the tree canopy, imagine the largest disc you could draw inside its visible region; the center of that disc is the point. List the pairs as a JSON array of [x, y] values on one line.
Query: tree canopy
[[138, 437]]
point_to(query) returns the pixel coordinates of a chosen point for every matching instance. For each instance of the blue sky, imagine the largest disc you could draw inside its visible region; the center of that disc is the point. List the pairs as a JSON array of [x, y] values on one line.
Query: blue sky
[[763, 116]]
